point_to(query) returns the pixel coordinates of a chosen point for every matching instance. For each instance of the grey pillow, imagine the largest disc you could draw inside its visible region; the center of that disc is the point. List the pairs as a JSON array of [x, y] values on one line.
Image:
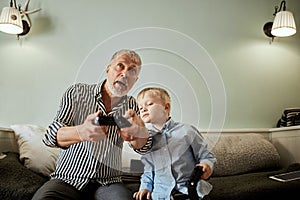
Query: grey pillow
[[33, 152], [244, 153]]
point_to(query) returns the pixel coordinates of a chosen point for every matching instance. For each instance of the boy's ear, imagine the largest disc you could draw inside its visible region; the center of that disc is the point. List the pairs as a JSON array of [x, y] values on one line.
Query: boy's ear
[[168, 107]]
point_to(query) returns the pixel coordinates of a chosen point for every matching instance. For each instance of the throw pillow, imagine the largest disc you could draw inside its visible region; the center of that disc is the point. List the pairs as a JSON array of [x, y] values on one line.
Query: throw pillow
[[237, 154], [33, 152]]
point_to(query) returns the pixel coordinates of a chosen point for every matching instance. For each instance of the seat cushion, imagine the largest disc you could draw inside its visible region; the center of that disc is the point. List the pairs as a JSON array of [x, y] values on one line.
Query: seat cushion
[[255, 185]]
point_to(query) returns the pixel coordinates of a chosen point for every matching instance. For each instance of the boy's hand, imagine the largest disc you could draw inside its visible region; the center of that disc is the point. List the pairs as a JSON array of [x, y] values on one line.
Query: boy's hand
[[207, 170], [142, 195]]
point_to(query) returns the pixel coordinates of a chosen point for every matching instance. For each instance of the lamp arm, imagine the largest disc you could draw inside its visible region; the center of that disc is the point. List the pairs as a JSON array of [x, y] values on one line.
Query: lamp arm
[[31, 11], [26, 5], [13, 3], [284, 7], [283, 3]]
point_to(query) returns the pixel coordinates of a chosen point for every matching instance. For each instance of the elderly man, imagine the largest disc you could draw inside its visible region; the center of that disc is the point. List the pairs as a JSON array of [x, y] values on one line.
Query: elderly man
[[89, 165]]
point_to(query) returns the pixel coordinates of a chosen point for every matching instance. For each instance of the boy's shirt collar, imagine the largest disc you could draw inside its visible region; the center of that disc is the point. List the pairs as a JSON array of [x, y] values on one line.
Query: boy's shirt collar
[[168, 125]]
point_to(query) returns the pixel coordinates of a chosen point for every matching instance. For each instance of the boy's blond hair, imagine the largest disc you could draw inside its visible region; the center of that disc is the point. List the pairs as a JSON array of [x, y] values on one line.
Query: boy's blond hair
[[155, 91]]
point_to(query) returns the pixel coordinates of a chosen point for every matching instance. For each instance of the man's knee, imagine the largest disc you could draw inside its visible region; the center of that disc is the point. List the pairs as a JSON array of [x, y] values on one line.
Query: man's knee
[[56, 189], [115, 191]]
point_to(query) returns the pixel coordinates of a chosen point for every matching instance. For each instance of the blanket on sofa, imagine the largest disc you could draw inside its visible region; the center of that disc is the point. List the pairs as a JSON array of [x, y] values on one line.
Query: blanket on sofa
[[17, 181], [255, 185]]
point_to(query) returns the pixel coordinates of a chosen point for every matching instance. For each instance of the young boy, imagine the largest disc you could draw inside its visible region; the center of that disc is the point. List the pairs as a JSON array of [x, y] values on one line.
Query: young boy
[[177, 149]]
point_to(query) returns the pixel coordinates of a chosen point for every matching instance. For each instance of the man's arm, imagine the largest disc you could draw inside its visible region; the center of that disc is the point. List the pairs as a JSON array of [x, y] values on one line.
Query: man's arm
[[205, 157], [87, 131]]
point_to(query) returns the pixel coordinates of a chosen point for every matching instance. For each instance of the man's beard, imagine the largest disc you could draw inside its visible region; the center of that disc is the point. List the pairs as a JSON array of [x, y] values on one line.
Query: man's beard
[[114, 91]]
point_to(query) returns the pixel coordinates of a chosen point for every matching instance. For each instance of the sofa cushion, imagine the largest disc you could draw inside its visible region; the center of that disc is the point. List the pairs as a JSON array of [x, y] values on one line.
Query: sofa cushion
[[33, 152], [237, 154]]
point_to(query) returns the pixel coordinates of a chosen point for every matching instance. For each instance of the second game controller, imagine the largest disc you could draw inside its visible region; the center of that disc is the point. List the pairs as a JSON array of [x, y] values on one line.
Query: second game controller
[[193, 181]]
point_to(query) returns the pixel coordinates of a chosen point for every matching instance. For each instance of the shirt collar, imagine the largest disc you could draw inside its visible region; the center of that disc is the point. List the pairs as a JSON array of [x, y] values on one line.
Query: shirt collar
[[167, 126], [97, 90]]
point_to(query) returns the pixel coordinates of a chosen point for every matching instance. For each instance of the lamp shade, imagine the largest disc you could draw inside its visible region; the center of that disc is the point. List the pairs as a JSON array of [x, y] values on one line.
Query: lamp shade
[[284, 24], [10, 21]]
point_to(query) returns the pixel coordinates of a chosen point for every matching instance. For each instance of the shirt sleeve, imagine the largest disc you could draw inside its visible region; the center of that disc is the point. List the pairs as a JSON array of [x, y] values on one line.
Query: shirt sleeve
[[64, 117], [147, 178], [146, 148], [200, 149]]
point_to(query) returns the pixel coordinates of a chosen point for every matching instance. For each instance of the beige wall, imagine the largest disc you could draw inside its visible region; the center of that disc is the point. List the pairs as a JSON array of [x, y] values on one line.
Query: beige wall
[[214, 52]]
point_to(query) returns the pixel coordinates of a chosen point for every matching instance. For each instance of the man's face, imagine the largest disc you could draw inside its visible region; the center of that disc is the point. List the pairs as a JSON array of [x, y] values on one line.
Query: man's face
[[121, 73]]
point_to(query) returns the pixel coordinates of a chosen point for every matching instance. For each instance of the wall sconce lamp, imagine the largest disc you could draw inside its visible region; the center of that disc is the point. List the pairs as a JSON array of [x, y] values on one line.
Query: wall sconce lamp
[[284, 24], [15, 20]]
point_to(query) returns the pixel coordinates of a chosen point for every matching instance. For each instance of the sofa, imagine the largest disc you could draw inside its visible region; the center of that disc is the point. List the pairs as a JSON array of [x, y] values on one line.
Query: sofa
[[245, 163]]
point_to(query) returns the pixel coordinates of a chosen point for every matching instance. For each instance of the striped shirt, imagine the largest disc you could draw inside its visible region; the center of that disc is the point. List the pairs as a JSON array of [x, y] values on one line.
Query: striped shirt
[[81, 162]]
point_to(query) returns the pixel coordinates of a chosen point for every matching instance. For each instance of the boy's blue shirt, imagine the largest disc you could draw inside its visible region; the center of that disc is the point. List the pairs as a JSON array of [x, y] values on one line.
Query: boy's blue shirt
[[176, 149]]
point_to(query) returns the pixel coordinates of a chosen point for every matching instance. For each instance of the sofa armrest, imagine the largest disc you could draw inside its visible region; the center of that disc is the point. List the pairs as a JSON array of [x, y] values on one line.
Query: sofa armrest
[[8, 142]]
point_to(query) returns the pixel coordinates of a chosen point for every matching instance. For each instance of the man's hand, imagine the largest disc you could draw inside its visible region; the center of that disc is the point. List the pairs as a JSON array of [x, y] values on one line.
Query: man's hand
[[90, 132], [135, 130], [137, 133]]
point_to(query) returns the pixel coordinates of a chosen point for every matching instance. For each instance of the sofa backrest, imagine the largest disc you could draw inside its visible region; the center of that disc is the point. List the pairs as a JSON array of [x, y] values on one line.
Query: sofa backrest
[[237, 154]]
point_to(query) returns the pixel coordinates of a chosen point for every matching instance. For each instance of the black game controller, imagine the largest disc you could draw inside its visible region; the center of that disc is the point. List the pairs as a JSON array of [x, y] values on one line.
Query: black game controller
[[122, 122], [118, 120], [193, 181]]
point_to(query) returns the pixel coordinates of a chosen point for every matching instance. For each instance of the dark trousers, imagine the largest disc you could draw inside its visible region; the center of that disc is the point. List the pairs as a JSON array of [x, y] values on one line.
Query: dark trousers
[[58, 190]]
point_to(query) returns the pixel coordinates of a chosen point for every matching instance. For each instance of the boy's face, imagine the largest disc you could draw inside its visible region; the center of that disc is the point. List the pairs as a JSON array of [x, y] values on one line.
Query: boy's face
[[152, 109]]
